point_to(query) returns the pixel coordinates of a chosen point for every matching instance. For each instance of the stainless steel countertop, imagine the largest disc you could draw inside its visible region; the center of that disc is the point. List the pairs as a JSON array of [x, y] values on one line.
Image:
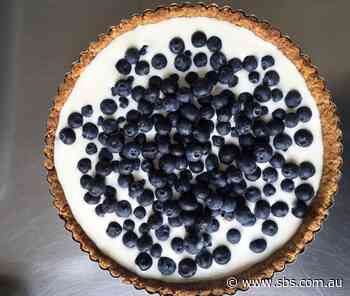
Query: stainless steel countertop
[[39, 41]]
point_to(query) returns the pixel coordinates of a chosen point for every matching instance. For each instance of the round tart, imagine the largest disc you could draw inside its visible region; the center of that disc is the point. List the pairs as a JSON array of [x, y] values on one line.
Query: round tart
[[191, 144]]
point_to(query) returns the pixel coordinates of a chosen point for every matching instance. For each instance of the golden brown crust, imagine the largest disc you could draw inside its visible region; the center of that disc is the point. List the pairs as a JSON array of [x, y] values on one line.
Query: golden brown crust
[[331, 137]]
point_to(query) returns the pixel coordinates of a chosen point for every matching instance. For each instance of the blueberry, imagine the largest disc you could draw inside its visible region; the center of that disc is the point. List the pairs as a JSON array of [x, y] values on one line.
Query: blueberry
[[129, 225], [87, 110], [191, 77], [279, 113], [245, 217], [250, 63], [218, 141], [253, 194], [277, 161], [143, 261], [156, 220], [226, 75], [276, 94], [214, 225], [123, 209], [177, 244], [176, 45], [287, 185], [233, 236], [90, 199], [269, 227], [163, 232], [279, 209], [175, 221], [228, 153], [75, 120], [303, 138], [142, 68], [129, 239], [269, 190], [91, 148], [187, 268], [212, 76], [243, 124], [109, 126], [306, 170], [200, 59], [304, 192], [275, 126], [137, 93], [103, 167], [229, 204], [67, 136], [304, 114], [235, 64], [254, 77], [258, 245], [122, 88], [156, 251], [246, 140], [204, 259], [132, 55], [291, 120], [290, 170], [86, 181], [97, 186], [282, 142], [159, 61], [293, 99], [262, 209], [84, 165], [267, 62], [201, 88], [299, 210], [271, 78], [182, 62], [145, 198], [233, 175], [262, 152], [114, 229], [262, 93], [90, 131], [214, 43], [144, 242], [123, 66], [217, 59], [247, 163], [144, 228], [198, 39], [131, 150], [143, 50], [99, 211], [108, 106], [123, 102], [222, 255], [166, 266]]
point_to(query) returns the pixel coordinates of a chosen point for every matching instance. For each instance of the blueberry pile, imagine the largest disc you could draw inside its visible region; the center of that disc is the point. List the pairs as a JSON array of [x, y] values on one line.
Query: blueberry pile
[[207, 145]]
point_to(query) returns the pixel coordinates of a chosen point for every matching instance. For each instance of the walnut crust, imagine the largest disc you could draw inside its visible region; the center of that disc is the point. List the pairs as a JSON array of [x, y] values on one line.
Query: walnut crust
[[332, 138]]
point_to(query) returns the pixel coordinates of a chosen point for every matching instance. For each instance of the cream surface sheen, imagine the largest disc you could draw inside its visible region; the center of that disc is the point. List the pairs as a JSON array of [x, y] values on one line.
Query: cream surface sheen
[[95, 84]]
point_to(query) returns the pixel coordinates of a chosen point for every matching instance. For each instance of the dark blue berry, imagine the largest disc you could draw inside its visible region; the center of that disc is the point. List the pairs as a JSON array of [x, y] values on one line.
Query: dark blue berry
[[91, 148], [258, 245], [304, 114], [250, 63], [271, 78], [132, 55], [290, 170], [191, 77], [182, 62], [86, 181], [303, 138], [262, 152], [218, 141], [122, 87], [262, 209], [198, 39], [84, 165], [291, 120], [162, 233], [114, 229], [123, 66], [142, 68], [293, 99], [222, 255], [123, 209], [201, 88], [306, 170], [233, 236], [156, 251], [254, 77], [235, 64], [253, 194], [204, 259], [279, 113], [217, 59], [129, 239], [287, 185], [279, 209], [109, 125], [187, 268], [67, 136], [282, 142], [214, 43], [267, 62], [87, 110], [145, 198], [128, 225], [262, 93], [123, 102], [176, 45], [247, 163], [276, 94], [277, 161], [304, 192], [275, 126], [144, 227], [90, 199], [200, 59], [99, 211], [300, 209], [245, 217], [269, 190], [159, 61], [97, 186], [166, 266], [108, 106], [75, 120], [269, 227], [143, 261], [228, 153], [156, 219], [144, 242], [270, 175]]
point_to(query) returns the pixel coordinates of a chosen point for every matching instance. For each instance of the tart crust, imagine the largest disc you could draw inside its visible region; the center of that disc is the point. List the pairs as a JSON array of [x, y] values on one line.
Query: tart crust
[[318, 210]]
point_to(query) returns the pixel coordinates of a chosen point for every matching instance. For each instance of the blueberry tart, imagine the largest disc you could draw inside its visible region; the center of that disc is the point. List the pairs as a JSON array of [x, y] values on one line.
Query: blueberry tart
[[190, 144]]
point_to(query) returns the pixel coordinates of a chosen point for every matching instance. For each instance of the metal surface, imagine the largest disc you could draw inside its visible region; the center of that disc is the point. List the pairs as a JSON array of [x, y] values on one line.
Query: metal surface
[[40, 39]]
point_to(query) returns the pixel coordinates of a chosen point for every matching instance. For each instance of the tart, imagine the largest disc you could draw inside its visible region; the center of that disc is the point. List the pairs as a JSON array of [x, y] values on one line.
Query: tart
[[191, 144]]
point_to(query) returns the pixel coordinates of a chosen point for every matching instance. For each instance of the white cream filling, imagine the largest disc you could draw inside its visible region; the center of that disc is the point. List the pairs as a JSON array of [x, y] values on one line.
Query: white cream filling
[[94, 85]]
